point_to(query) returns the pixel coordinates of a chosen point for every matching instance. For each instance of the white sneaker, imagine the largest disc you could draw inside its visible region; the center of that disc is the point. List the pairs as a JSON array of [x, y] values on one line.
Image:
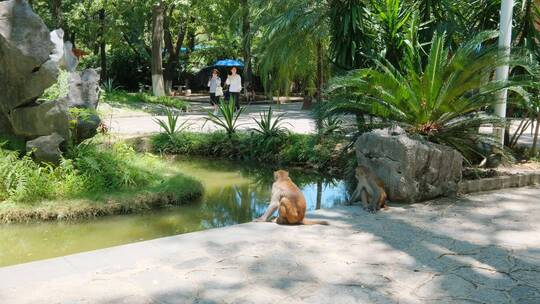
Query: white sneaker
[[216, 112]]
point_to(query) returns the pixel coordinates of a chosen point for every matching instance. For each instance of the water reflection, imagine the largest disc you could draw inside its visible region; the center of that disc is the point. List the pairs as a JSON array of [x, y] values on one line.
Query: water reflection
[[235, 193]]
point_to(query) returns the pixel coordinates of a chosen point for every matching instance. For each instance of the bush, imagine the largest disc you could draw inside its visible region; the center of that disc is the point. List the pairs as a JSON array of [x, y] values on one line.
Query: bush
[[59, 89], [284, 149], [90, 172], [442, 100], [228, 120]]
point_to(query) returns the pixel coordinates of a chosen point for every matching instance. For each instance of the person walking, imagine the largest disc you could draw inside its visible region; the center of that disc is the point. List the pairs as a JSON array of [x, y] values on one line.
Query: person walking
[[234, 81], [215, 89]]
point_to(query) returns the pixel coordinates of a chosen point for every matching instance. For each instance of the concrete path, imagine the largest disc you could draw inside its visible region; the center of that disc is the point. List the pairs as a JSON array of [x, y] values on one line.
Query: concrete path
[[478, 249], [130, 122], [140, 120]]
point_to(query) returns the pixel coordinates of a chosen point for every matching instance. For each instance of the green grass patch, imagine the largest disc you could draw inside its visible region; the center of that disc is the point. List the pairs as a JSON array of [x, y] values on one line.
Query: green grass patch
[[318, 152], [94, 180], [134, 99]]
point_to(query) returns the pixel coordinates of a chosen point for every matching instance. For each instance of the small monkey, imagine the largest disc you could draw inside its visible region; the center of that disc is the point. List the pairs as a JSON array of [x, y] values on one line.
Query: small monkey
[[289, 201], [370, 190]]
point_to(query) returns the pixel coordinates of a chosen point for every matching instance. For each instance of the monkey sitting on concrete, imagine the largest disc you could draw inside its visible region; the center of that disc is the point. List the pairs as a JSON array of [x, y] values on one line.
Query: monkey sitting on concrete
[[290, 202], [370, 190]]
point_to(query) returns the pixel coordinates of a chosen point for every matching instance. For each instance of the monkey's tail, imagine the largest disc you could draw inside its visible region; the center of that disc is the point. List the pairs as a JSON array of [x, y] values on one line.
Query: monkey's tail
[[313, 222]]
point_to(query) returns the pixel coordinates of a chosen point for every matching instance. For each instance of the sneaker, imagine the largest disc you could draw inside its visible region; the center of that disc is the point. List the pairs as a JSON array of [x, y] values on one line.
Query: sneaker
[[216, 112]]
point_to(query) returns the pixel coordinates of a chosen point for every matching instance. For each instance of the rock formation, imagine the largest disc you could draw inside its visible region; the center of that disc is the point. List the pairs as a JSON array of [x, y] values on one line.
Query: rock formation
[[83, 98], [412, 170], [30, 59]]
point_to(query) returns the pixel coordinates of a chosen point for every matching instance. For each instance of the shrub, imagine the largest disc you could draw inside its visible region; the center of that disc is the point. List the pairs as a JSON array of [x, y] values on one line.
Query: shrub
[[24, 180], [228, 120], [269, 127], [90, 171], [443, 100], [288, 149], [171, 126], [59, 89]]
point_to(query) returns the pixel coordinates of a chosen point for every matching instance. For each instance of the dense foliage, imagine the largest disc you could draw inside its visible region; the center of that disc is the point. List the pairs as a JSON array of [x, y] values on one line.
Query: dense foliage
[[285, 149], [88, 172], [443, 100], [291, 44]]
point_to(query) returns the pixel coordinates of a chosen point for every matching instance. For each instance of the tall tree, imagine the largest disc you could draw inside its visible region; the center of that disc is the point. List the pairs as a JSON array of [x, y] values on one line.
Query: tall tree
[[246, 44], [158, 86], [102, 45], [173, 47], [56, 8]]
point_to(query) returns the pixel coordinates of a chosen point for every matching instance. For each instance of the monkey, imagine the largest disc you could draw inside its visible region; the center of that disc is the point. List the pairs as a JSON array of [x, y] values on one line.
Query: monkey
[[79, 53], [370, 190], [290, 202]]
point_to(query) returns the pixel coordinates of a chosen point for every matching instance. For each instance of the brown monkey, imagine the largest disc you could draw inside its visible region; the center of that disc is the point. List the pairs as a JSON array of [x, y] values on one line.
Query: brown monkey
[[370, 190], [289, 201]]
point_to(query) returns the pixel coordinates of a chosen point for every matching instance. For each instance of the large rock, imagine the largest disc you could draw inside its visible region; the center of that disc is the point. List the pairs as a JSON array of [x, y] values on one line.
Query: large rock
[[26, 69], [84, 89], [30, 58], [42, 119], [46, 148], [412, 170], [83, 98]]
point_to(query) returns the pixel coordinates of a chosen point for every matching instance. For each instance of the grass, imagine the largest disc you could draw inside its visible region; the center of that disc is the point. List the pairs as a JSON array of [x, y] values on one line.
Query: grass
[[123, 97], [321, 153], [95, 180]]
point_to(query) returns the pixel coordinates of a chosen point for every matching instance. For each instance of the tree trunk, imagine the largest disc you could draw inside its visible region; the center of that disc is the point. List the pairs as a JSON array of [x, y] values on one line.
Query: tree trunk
[[535, 139], [102, 45], [246, 31], [173, 50], [158, 86], [56, 8], [319, 70]]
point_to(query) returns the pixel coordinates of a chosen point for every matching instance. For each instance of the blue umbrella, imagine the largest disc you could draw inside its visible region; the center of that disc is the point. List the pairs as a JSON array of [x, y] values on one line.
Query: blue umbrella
[[229, 63]]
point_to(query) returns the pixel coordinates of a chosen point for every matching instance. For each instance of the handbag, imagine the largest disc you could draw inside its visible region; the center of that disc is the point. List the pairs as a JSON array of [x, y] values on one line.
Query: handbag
[[219, 91]]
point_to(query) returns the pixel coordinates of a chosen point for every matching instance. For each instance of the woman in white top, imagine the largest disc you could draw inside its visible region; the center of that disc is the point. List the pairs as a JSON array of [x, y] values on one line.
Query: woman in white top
[[234, 81], [213, 84]]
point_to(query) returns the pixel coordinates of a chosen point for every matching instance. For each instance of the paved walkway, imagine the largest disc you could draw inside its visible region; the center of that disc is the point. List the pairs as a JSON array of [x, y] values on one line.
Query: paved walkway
[[478, 249], [132, 122], [140, 120]]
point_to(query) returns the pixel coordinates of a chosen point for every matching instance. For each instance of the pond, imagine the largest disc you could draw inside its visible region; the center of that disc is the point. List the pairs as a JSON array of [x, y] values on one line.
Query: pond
[[234, 193]]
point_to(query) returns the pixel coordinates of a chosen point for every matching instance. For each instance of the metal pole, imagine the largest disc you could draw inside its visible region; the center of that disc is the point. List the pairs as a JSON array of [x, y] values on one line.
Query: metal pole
[[501, 74]]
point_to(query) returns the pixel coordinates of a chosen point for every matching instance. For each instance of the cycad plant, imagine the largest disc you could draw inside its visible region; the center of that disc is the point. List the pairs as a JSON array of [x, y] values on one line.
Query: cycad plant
[[443, 100], [171, 126], [227, 118], [268, 126], [109, 86]]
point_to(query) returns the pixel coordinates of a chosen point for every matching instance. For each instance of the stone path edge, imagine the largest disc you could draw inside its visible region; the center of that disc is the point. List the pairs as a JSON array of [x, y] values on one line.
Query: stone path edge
[[519, 180]]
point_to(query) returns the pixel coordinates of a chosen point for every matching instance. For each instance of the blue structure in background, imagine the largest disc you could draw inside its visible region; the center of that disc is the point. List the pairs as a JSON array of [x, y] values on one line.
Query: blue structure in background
[[229, 63]]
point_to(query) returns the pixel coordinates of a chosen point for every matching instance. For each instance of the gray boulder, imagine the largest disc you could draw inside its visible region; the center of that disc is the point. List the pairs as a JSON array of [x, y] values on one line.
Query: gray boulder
[[25, 66], [83, 97], [412, 170], [46, 148], [84, 89], [42, 119], [30, 58], [70, 61]]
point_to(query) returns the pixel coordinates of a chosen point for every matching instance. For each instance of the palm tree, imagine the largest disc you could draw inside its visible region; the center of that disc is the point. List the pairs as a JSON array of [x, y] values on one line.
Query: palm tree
[[443, 101], [293, 43]]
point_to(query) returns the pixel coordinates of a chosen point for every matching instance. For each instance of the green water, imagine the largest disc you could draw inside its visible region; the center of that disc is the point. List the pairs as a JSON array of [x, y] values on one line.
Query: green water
[[234, 193]]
